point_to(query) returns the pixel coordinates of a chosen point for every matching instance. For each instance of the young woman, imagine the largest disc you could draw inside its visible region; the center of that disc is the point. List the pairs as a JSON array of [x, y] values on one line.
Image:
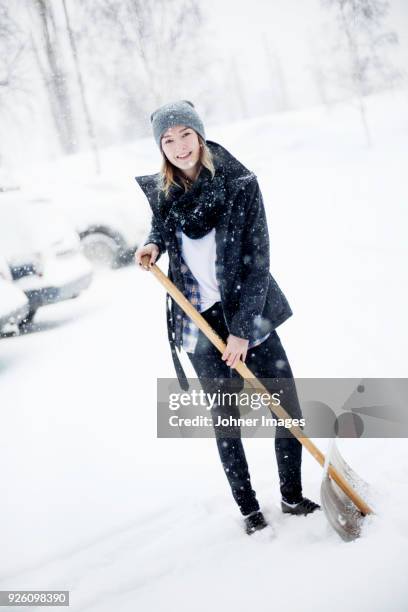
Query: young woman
[[208, 214]]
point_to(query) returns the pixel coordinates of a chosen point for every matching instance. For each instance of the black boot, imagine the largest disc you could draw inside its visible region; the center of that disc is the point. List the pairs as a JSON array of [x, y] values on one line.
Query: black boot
[[255, 522], [305, 506]]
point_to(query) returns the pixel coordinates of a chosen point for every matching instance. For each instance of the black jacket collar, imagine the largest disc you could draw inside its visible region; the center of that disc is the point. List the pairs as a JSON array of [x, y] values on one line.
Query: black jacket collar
[[237, 174]]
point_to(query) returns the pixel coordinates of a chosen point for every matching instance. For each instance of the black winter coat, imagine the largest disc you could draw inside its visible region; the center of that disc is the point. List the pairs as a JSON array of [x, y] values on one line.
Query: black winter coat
[[252, 301]]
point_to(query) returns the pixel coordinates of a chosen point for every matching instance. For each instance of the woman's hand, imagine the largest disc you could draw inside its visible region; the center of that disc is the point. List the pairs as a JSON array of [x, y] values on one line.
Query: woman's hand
[[149, 249], [236, 348]]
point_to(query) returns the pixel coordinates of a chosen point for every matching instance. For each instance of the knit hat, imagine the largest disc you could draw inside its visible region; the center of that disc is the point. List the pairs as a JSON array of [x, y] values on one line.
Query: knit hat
[[175, 113]]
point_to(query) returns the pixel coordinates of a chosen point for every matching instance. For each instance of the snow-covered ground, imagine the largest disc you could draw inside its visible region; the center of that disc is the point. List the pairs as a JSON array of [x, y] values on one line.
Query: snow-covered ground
[[94, 503]]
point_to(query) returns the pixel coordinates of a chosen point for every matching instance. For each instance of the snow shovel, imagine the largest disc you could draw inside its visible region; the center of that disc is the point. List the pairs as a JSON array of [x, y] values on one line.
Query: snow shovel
[[341, 501]]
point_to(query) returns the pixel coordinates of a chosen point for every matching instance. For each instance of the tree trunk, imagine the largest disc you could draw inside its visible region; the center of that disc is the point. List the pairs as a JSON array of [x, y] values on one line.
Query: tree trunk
[[55, 79], [356, 79], [88, 118]]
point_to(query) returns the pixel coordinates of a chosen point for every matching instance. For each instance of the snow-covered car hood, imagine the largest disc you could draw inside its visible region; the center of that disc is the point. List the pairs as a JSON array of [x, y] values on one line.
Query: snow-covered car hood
[[11, 298], [121, 207], [30, 226]]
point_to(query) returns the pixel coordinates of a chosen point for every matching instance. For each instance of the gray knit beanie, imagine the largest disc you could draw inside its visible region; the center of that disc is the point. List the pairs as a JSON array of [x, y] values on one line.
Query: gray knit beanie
[[175, 113]]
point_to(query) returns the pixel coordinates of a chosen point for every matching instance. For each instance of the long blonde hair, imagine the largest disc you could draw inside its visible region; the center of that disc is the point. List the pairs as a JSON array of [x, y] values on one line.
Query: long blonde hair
[[169, 172]]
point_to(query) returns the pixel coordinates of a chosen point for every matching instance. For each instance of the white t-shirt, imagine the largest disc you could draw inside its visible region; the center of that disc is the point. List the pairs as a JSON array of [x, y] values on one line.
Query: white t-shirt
[[200, 255]]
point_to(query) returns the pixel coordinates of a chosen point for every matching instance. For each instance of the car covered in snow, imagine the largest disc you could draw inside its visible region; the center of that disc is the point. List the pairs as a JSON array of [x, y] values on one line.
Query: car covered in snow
[[14, 305], [42, 250], [110, 217]]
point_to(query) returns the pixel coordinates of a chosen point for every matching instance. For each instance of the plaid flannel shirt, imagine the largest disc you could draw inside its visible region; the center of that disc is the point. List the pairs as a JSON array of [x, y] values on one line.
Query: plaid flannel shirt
[[189, 330]]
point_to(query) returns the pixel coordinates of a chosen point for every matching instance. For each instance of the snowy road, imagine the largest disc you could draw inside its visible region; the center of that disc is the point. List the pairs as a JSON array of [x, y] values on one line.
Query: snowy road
[[95, 504]]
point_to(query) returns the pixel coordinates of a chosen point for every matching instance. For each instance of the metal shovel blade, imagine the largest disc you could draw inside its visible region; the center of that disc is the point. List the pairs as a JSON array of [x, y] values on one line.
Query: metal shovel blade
[[342, 514]]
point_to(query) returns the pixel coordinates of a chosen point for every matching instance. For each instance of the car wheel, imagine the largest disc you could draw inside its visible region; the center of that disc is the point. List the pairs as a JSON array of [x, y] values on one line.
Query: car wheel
[[100, 249], [28, 319]]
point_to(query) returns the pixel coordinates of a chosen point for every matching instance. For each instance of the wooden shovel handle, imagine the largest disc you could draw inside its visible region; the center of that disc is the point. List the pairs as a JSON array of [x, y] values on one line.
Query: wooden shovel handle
[[246, 373]]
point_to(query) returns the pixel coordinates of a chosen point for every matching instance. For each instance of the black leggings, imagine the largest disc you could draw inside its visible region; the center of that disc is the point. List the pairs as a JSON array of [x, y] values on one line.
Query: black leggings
[[266, 361]]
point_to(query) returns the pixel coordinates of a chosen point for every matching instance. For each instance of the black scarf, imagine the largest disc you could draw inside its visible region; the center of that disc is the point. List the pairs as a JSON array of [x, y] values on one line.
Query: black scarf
[[197, 210]]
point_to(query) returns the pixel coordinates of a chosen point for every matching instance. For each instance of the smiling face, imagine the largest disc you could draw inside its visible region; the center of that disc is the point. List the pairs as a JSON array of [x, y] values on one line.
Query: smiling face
[[181, 146]]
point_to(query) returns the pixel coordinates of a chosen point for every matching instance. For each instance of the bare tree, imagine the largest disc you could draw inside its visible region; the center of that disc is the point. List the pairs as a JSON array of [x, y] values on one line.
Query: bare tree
[[81, 86], [154, 54], [239, 88], [50, 60], [277, 75], [365, 67], [11, 49], [10, 67], [319, 76], [15, 91]]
